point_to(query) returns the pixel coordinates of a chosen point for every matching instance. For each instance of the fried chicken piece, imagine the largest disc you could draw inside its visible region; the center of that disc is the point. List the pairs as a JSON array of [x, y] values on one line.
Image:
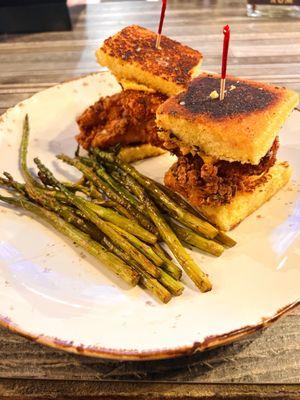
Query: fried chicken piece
[[216, 184], [226, 168], [127, 117]]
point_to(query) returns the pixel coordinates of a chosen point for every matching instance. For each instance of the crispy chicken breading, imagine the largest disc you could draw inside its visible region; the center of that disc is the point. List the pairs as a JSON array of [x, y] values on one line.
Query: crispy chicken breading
[[217, 183], [127, 117]]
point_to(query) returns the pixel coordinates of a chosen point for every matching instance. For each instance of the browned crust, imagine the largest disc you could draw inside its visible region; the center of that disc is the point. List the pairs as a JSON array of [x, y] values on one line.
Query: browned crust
[[243, 97], [135, 44], [241, 127], [134, 355]]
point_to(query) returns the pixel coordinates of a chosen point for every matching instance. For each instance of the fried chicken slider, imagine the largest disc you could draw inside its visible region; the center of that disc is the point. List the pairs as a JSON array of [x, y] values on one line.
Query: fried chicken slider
[[227, 150], [147, 76]]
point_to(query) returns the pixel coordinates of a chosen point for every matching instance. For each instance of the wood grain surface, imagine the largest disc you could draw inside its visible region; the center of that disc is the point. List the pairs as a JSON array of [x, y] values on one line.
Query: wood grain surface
[[262, 366], [269, 356]]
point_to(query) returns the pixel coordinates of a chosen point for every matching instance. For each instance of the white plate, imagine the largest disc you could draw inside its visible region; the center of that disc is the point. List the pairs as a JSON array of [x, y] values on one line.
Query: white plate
[[56, 294]]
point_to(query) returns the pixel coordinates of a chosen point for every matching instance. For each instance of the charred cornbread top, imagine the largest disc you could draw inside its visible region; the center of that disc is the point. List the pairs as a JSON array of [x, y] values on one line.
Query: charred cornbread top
[[242, 127], [241, 98], [131, 54]]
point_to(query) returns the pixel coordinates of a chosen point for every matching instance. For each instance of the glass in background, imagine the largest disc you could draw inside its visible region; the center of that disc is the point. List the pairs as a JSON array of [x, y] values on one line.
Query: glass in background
[[273, 8]]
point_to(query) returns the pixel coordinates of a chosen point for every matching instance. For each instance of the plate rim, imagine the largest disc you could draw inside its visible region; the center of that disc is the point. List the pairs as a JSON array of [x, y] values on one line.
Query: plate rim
[[136, 355], [147, 355]]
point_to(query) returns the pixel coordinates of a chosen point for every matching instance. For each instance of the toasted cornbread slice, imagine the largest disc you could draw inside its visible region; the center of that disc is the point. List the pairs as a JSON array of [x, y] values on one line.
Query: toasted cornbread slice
[[136, 153], [129, 85], [131, 54], [242, 127], [227, 216]]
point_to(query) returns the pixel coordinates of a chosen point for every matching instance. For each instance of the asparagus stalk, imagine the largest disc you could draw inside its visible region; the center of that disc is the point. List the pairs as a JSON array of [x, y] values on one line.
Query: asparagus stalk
[[169, 266], [111, 216], [197, 241], [92, 177], [192, 238], [159, 259], [155, 287], [177, 198], [115, 264], [225, 239], [114, 184], [174, 286], [112, 204], [122, 222], [101, 172], [79, 188], [90, 215], [33, 188], [9, 182], [138, 191], [221, 236], [141, 246], [193, 271], [184, 216], [146, 280], [162, 251], [76, 186], [22, 188], [51, 202], [23, 155], [107, 189], [94, 193], [191, 268], [72, 216], [118, 181], [38, 195], [97, 197], [31, 184], [116, 206], [47, 198], [106, 214], [3, 182], [101, 202], [67, 214]]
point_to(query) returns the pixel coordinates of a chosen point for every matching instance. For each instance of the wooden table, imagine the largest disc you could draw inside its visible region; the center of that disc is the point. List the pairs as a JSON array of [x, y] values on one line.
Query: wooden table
[[266, 365]]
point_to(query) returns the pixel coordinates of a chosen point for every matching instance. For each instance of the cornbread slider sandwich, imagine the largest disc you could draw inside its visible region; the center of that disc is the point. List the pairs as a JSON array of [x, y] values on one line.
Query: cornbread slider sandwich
[[148, 76], [227, 165]]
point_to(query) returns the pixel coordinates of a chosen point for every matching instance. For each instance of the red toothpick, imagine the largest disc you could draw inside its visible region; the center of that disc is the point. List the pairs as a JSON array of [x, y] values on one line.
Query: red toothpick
[[226, 31], [161, 23]]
